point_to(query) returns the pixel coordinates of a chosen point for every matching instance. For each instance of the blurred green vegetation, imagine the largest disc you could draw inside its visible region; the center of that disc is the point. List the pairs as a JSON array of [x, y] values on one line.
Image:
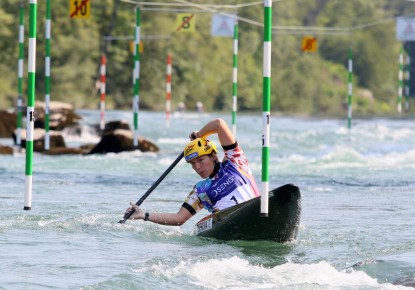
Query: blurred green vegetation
[[302, 83]]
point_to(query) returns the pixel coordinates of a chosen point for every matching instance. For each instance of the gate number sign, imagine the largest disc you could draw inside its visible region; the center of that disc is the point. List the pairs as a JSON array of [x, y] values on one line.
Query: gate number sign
[[79, 8]]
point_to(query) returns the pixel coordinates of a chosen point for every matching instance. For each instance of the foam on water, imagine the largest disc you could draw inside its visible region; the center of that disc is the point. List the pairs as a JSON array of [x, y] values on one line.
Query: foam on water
[[86, 134], [237, 273]]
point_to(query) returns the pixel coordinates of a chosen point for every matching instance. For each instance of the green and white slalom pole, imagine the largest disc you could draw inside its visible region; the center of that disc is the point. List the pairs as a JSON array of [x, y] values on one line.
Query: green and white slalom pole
[[136, 77], [399, 105], [30, 103], [266, 105], [102, 90], [20, 76], [235, 76], [47, 75], [349, 97], [407, 79], [168, 89]]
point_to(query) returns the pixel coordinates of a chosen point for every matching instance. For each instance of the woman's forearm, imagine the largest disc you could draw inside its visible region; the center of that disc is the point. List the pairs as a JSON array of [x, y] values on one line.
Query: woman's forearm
[[170, 219], [218, 126]]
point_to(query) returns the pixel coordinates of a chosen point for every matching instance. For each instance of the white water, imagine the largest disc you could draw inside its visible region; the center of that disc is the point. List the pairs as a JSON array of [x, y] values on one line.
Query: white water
[[357, 198]]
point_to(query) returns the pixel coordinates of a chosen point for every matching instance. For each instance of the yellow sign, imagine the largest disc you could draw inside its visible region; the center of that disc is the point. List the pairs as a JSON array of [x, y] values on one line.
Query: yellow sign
[[132, 46], [309, 44], [186, 22], [79, 8]]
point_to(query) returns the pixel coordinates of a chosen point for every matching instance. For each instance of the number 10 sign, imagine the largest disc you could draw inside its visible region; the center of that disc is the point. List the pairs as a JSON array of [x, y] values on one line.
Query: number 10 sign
[[79, 8]]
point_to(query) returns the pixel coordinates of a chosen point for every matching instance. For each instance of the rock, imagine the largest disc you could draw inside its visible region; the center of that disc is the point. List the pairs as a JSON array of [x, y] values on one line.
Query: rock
[[56, 140], [61, 115], [117, 136], [6, 150], [8, 123], [86, 148], [115, 125], [145, 145], [65, 151], [122, 140]]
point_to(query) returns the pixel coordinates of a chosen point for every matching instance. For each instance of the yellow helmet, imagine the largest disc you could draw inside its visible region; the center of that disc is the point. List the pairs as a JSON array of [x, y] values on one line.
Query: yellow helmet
[[198, 147]]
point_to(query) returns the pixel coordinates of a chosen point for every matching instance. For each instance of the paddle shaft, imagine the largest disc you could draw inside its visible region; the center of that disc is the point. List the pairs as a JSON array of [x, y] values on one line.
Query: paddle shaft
[[140, 201]]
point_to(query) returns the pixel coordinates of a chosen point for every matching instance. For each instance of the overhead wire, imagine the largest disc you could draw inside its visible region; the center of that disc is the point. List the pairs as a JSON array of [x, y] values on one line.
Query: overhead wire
[[278, 29]]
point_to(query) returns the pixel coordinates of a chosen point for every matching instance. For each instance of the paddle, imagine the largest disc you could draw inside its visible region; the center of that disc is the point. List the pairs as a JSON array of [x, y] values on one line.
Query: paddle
[[140, 201]]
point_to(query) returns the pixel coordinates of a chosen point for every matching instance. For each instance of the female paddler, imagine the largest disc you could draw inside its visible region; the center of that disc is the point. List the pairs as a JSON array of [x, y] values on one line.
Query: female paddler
[[224, 184]]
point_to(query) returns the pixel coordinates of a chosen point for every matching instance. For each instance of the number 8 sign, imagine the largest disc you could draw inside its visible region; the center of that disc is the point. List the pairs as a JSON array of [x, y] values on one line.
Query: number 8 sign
[[186, 22], [79, 8], [309, 44]]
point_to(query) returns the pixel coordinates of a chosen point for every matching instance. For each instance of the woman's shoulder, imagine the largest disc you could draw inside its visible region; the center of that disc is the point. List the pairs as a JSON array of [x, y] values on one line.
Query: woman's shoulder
[[234, 154]]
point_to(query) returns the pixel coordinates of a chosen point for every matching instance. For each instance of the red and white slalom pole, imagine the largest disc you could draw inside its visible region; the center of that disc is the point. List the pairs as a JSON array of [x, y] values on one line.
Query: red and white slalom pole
[[102, 87], [168, 90]]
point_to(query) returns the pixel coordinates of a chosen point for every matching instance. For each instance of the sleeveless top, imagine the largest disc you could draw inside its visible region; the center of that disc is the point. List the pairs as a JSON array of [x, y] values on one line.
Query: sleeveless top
[[232, 184]]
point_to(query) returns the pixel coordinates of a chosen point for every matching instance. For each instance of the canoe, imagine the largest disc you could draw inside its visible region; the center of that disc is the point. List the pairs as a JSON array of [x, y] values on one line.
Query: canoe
[[244, 222]]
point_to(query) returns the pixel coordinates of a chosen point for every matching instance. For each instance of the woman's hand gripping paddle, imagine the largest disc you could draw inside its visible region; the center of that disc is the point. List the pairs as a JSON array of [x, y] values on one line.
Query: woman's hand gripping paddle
[[140, 201]]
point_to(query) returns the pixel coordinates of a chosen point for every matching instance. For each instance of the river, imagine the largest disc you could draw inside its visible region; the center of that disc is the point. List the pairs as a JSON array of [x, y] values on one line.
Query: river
[[357, 223]]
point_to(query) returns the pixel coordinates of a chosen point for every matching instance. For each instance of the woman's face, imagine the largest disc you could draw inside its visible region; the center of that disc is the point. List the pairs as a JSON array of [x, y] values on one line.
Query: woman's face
[[203, 165]]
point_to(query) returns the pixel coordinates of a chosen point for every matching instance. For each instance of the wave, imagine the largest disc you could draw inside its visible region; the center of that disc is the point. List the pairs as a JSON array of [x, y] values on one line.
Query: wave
[[237, 273]]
